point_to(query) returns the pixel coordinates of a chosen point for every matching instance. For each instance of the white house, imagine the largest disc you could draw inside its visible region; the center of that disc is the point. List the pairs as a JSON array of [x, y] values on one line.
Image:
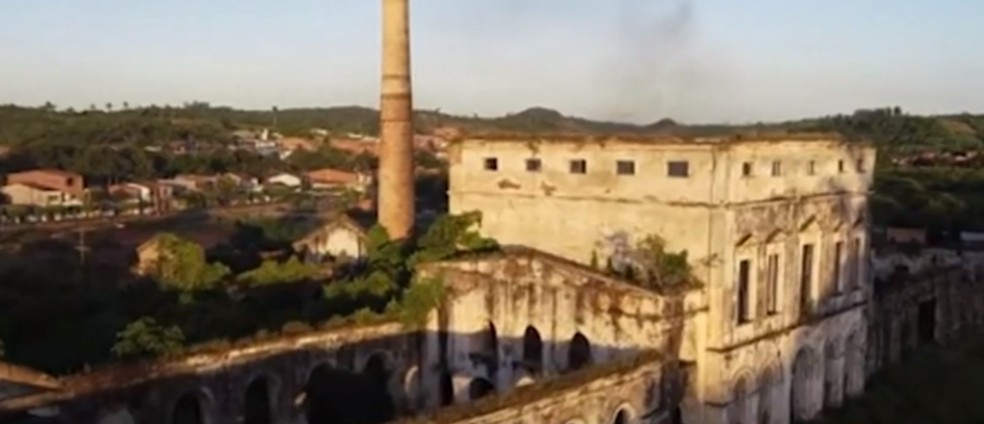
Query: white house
[[285, 179], [341, 237]]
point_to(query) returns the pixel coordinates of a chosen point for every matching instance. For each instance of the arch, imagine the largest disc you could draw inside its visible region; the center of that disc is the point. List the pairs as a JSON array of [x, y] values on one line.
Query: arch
[[337, 395], [768, 386], [532, 350], [623, 415], [479, 388], [188, 410], [447, 389], [739, 401], [258, 402], [804, 368], [831, 388], [579, 352], [486, 347], [117, 415], [853, 364]]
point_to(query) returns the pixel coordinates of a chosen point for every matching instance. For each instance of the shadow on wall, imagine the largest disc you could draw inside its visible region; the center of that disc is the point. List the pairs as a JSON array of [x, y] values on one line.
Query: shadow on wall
[[373, 381]]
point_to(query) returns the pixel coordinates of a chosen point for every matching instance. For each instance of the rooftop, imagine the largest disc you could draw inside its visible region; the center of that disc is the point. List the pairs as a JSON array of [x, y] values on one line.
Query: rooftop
[[725, 139]]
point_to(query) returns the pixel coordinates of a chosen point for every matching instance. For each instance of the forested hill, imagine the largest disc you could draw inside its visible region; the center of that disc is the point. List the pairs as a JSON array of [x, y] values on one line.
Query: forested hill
[[891, 128]]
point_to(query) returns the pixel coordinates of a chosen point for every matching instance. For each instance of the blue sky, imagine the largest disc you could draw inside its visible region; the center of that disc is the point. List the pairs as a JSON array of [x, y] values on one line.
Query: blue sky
[[636, 60]]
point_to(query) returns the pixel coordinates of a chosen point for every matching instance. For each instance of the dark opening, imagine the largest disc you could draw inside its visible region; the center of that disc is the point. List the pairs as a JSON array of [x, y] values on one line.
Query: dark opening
[[678, 169], [840, 166], [188, 410], [533, 165], [341, 396], [743, 291], [532, 350], [491, 164], [776, 168], [746, 169], [621, 418], [447, 389], [806, 278], [625, 167], [927, 322], [579, 353], [258, 409], [579, 166], [811, 168], [480, 388]]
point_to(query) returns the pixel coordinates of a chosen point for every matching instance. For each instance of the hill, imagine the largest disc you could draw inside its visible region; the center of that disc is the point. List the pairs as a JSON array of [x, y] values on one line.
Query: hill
[[891, 128]]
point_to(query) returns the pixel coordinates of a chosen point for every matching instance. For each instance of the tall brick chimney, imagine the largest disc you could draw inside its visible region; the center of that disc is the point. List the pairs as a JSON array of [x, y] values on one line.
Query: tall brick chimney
[[396, 191]]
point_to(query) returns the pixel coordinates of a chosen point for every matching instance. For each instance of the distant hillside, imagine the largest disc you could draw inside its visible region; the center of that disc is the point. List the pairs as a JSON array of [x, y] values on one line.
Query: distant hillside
[[890, 128]]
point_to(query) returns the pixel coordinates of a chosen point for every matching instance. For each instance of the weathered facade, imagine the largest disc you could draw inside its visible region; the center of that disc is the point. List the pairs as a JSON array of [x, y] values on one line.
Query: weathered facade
[[495, 331], [932, 296], [776, 228]]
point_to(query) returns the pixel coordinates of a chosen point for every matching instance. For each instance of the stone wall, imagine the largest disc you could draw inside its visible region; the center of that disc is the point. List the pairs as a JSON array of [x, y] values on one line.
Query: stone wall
[[937, 305], [522, 315], [217, 384], [642, 389]]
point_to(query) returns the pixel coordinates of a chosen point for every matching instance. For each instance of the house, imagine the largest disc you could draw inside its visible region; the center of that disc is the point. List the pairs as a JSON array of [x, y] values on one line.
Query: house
[[342, 237], [148, 244], [297, 143], [45, 187], [35, 195], [356, 146], [151, 193], [194, 182], [328, 178], [284, 179], [898, 235]]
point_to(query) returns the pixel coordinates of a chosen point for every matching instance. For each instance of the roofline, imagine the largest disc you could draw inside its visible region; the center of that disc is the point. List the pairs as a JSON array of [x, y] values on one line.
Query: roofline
[[650, 140], [27, 376]]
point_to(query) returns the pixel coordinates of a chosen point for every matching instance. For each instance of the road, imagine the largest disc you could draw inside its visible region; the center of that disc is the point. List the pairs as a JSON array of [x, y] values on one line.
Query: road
[[97, 223]]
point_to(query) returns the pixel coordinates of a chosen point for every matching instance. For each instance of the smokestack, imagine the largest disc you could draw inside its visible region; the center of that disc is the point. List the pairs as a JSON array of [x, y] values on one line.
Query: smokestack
[[396, 191]]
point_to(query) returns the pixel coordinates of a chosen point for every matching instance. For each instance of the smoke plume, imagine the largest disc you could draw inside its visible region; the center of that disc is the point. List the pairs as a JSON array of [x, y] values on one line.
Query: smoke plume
[[657, 67]]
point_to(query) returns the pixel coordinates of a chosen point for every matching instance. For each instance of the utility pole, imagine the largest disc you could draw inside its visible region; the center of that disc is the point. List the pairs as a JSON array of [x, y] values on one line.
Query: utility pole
[[82, 247]]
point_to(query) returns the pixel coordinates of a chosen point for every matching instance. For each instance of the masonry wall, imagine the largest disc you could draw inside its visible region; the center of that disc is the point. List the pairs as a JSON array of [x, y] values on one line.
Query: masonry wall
[[498, 303], [627, 396]]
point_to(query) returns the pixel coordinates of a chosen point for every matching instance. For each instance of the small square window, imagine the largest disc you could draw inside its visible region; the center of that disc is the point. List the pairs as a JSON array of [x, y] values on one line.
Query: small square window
[[811, 167], [840, 166], [746, 169], [579, 166], [679, 169], [533, 165], [776, 168], [491, 164], [860, 165], [625, 167]]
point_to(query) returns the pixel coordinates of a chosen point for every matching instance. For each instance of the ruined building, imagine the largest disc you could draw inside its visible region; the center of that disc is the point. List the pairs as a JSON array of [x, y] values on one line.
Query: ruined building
[[775, 228], [781, 323]]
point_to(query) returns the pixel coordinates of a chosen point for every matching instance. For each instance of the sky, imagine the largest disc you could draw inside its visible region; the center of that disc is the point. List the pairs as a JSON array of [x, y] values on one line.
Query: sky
[[696, 61]]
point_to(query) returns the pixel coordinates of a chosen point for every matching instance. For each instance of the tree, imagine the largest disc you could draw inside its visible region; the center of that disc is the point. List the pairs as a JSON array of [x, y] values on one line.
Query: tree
[[648, 262], [182, 265], [272, 272], [451, 234], [145, 337]]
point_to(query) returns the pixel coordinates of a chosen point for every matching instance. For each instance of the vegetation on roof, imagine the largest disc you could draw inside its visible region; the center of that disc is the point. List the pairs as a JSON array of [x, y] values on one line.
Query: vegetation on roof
[[63, 326]]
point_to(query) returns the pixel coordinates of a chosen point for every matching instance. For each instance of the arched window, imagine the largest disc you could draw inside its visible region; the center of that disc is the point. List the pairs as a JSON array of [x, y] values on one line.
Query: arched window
[[621, 417], [258, 408], [579, 353], [532, 350], [804, 370], [188, 410], [479, 388]]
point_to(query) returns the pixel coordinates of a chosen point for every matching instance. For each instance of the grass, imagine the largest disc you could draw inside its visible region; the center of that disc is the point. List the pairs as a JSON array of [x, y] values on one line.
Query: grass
[[936, 386]]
